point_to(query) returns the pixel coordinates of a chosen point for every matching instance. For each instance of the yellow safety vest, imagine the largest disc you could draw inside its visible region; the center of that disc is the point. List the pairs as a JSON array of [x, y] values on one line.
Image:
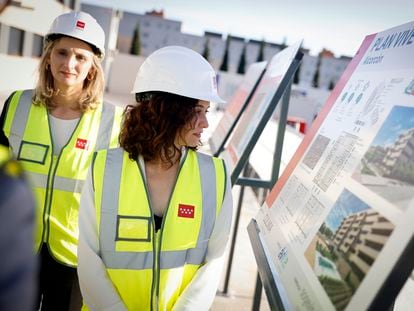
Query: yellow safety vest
[[149, 269], [57, 180]]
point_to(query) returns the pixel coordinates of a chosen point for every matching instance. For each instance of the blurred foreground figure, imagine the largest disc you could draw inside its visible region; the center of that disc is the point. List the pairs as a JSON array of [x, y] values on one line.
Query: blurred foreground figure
[[17, 261]]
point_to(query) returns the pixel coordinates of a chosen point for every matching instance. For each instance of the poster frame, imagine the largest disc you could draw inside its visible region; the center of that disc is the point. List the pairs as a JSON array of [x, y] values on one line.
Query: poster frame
[[283, 86], [220, 149]]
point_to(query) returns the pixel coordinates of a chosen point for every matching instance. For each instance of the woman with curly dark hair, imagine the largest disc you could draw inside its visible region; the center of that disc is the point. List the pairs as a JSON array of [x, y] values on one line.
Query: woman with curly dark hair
[[156, 214]]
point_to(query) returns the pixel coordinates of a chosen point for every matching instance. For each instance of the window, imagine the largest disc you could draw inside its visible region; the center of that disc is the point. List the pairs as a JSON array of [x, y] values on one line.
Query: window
[[385, 232], [37, 46], [374, 245], [15, 41], [367, 259]]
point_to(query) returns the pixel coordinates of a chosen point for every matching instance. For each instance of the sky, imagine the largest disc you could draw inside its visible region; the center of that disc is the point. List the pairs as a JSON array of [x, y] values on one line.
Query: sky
[[400, 120], [346, 204], [337, 25]]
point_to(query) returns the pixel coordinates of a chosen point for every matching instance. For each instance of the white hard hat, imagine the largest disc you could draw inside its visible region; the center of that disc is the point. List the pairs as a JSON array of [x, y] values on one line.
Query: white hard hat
[[79, 25], [178, 70]]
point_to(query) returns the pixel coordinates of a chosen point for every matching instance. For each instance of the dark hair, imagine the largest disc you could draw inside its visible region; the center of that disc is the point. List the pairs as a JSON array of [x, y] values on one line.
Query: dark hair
[[151, 126]]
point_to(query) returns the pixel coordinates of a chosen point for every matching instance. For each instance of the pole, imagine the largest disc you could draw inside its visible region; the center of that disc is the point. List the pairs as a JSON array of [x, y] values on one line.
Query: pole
[[234, 237], [257, 294]]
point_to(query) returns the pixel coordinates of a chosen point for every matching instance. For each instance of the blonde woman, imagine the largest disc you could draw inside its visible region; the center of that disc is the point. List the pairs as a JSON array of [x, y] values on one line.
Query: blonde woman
[[53, 131]]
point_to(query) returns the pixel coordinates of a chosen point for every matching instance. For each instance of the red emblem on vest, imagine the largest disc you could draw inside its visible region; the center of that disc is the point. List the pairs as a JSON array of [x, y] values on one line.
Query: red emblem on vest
[[186, 211], [81, 144], [80, 25]]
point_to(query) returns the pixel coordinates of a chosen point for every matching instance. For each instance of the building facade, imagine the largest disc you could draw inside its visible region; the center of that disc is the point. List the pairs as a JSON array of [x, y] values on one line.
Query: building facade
[[157, 31], [399, 154], [360, 238], [23, 25]]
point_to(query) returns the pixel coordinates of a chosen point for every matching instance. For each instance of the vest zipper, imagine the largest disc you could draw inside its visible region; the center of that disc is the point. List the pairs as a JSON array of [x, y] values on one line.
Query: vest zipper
[[154, 240], [50, 181], [162, 224], [158, 237]]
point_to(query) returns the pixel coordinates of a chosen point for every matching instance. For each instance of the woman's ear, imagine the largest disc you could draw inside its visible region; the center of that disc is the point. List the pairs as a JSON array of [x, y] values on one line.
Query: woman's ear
[[91, 74]]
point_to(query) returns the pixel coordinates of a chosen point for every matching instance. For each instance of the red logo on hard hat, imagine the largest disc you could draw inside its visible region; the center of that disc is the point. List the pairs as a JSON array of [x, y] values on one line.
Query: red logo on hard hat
[[186, 211], [81, 143], [80, 24]]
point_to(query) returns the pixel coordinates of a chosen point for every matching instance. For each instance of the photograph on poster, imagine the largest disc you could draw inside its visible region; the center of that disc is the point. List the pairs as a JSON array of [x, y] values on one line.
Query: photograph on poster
[[387, 168], [345, 247], [335, 161], [315, 151]]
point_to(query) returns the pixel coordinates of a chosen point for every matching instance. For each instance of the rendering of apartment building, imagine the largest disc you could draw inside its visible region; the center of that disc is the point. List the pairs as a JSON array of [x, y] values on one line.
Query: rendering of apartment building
[[400, 153], [360, 238]]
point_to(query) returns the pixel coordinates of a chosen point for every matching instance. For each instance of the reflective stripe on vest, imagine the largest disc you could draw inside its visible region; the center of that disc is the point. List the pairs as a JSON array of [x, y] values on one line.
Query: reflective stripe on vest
[[57, 180], [59, 183], [144, 260], [20, 119], [107, 119]]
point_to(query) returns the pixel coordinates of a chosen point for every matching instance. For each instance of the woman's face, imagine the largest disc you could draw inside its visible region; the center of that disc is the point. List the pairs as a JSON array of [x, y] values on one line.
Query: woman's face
[[191, 133], [70, 62]]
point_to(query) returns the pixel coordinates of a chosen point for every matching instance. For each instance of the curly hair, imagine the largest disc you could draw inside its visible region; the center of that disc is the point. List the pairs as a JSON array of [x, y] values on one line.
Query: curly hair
[[151, 126], [93, 87]]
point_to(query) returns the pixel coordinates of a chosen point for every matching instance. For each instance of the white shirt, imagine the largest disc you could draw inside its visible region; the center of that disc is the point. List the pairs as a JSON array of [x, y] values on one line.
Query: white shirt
[[97, 289], [62, 131]]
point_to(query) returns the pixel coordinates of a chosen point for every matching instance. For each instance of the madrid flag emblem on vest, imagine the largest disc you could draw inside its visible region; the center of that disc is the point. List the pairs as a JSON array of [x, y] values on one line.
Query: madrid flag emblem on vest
[[81, 144], [186, 211]]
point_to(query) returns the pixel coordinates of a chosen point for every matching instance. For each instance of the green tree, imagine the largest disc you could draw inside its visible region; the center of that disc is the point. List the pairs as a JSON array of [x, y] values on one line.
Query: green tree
[[242, 63], [296, 76], [315, 81], [331, 85], [225, 63], [206, 52], [260, 56], [136, 42]]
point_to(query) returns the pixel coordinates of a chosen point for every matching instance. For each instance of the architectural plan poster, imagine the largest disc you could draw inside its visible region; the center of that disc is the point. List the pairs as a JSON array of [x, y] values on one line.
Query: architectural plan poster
[[342, 213], [251, 77], [260, 101]]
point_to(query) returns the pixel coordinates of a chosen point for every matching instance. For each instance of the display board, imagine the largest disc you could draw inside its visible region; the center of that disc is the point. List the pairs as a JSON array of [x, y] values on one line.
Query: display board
[[236, 107], [338, 225], [270, 90]]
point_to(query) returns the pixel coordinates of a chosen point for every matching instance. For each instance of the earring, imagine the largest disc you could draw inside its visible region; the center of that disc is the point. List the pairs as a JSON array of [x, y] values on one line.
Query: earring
[[47, 66]]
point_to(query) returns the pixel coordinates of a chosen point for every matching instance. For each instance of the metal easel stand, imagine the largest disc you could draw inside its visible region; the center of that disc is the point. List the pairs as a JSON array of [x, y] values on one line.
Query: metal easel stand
[[277, 156], [258, 183]]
